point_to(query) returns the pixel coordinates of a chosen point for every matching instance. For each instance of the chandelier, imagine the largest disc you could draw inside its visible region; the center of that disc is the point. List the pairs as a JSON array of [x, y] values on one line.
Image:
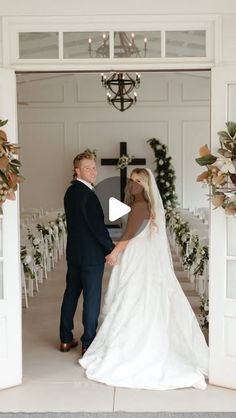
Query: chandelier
[[121, 85]]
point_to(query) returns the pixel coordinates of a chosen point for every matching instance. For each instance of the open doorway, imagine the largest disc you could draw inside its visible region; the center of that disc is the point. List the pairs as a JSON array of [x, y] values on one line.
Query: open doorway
[[62, 114]]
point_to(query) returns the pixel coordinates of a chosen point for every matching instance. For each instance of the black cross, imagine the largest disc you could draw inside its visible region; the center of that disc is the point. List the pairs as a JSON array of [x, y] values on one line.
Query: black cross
[[123, 172]]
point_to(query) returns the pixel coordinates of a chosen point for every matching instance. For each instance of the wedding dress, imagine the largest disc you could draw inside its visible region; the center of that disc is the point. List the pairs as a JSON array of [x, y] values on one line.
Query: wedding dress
[[149, 337]]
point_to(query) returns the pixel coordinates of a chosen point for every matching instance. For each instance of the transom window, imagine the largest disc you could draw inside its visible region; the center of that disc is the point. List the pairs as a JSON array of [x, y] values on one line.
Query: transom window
[[117, 44]]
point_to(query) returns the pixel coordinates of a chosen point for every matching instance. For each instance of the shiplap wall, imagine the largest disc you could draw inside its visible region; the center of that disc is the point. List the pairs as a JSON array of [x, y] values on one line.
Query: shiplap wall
[[60, 116]]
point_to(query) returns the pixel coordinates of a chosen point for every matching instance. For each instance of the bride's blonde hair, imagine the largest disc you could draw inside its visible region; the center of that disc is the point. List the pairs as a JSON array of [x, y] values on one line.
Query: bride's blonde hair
[[147, 192]]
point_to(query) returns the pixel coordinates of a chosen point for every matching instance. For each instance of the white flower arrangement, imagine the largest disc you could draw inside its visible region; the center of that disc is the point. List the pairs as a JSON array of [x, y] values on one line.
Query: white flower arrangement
[[204, 316], [193, 254], [48, 235], [37, 253], [124, 161], [26, 260]]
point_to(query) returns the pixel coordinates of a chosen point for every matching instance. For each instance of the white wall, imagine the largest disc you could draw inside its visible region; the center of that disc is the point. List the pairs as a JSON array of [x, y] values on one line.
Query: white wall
[[60, 116], [80, 7]]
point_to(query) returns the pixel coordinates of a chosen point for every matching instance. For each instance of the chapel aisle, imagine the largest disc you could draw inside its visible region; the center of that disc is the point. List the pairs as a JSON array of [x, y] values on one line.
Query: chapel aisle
[[53, 381]]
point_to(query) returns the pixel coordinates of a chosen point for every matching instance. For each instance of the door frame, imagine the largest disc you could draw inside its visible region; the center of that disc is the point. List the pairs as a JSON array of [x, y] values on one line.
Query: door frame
[[12, 25]]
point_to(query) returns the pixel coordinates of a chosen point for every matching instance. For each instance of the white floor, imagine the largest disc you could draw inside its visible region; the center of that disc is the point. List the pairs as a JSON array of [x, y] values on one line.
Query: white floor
[[53, 381]]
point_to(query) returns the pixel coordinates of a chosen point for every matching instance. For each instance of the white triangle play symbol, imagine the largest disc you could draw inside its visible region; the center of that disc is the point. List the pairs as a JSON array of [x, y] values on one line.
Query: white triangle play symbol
[[117, 209]]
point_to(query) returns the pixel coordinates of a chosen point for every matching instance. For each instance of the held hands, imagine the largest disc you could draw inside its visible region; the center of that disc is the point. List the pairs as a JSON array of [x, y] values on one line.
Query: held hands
[[111, 258]]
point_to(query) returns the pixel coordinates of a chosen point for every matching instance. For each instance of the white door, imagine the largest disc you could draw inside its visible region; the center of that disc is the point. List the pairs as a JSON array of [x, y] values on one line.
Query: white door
[[10, 285], [222, 336]]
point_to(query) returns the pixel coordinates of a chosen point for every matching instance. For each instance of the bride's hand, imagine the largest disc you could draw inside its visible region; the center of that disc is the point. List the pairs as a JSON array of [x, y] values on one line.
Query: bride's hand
[[111, 259]]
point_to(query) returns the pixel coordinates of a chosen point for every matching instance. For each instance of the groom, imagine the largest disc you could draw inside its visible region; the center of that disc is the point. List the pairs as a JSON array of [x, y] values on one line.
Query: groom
[[88, 242]]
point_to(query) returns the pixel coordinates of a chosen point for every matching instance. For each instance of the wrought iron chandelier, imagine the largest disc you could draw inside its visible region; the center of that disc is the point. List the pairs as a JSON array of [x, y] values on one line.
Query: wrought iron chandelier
[[121, 85]]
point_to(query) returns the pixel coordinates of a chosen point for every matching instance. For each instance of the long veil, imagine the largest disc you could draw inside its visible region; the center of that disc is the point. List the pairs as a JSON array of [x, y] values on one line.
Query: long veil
[[160, 220]]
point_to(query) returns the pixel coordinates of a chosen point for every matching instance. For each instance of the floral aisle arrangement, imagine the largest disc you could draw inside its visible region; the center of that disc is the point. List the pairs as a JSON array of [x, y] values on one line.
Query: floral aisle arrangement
[[124, 161], [220, 173], [42, 252], [26, 262], [9, 168], [204, 308], [165, 174], [38, 256], [202, 260], [60, 222], [48, 234], [194, 255], [192, 251]]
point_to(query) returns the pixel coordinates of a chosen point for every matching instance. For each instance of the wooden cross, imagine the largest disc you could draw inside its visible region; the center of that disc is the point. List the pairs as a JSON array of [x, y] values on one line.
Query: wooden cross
[[123, 172]]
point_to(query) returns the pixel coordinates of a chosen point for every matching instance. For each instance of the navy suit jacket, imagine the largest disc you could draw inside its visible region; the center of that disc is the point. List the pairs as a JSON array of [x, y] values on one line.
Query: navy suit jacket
[[88, 241]]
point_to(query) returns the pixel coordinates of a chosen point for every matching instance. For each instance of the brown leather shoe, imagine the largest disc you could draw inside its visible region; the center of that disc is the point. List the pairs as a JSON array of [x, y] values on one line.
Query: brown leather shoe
[[83, 350], [65, 347]]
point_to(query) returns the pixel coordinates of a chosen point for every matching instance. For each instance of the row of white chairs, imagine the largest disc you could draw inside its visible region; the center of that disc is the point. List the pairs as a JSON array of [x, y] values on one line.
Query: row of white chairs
[[43, 242], [198, 226]]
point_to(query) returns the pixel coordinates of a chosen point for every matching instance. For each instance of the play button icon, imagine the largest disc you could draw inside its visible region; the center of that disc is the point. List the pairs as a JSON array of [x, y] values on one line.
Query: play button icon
[[117, 209]]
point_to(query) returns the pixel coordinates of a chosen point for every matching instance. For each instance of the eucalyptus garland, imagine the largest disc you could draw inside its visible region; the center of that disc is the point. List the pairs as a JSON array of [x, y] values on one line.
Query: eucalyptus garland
[[165, 174]]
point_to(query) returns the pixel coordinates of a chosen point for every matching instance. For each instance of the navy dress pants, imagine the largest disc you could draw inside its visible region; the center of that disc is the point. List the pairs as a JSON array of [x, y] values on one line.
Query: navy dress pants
[[86, 279]]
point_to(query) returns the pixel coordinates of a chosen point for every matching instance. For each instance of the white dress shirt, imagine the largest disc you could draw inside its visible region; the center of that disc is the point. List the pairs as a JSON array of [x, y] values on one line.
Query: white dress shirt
[[86, 183]]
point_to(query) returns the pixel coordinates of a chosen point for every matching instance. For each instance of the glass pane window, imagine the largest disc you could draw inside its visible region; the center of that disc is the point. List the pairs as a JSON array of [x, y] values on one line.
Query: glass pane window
[[1, 279], [137, 44], [1, 238], [1, 259], [38, 45], [231, 234], [231, 279], [86, 45], [191, 43]]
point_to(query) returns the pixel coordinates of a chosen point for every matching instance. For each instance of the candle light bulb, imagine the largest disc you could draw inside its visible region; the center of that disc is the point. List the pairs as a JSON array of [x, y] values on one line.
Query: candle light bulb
[[145, 45], [104, 36], [132, 35], [89, 42]]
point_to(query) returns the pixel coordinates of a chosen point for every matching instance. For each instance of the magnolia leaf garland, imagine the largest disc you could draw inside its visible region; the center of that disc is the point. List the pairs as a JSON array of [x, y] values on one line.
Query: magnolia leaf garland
[[9, 167], [221, 170]]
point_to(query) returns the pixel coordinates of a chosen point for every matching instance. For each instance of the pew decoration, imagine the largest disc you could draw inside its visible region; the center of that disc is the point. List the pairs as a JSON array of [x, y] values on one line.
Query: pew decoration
[[43, 242], [204, 308], [188, 234]]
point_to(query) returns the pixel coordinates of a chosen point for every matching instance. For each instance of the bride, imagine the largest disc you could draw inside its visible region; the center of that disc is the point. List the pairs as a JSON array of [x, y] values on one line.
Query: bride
[[149, 337]]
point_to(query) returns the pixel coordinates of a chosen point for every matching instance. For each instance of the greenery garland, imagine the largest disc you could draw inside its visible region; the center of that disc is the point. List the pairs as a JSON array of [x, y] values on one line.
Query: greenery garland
[[165, 174]]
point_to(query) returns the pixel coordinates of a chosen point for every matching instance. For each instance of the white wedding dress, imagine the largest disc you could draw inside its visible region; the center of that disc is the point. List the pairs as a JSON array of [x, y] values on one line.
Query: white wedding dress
[[149, 337]]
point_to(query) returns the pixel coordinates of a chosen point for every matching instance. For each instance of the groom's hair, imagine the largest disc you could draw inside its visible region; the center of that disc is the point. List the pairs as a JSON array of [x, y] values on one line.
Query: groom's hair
[[87, 154]]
